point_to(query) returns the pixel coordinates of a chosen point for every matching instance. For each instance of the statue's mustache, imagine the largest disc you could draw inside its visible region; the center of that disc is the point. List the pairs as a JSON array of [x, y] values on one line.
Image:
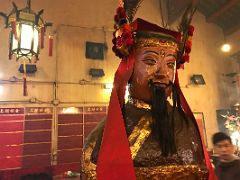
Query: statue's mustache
[[151, 84]]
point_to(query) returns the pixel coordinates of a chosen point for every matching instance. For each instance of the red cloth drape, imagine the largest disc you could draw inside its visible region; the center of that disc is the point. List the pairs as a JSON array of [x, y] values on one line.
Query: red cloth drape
[[189, 113], [115, 161]]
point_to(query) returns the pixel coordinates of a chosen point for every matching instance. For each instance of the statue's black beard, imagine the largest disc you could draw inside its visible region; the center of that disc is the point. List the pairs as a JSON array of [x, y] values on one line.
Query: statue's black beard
[[163, 121]]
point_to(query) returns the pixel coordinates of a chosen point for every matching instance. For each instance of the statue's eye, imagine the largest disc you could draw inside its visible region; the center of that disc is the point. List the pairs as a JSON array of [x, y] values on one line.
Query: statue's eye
[[149, 61], [171, 65], [171, 61]]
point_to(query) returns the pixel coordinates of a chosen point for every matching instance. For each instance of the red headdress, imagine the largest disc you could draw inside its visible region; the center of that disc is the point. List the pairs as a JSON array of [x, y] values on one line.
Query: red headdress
[[114, 160]]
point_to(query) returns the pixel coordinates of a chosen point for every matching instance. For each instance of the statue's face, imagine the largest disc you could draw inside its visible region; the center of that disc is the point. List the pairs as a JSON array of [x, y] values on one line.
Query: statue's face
[[156, 64]]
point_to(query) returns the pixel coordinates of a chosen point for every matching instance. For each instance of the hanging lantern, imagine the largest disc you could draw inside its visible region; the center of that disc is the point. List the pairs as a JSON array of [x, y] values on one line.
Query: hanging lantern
[[27, 32]]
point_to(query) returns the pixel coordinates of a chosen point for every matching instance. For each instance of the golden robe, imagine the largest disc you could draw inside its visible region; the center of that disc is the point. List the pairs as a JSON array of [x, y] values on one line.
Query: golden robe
[[187, 163]]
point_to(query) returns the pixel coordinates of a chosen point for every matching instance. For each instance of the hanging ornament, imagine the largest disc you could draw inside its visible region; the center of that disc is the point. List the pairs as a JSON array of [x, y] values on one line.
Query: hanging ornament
[[42, 36], [50, 45], [26, 36], [25, 93]]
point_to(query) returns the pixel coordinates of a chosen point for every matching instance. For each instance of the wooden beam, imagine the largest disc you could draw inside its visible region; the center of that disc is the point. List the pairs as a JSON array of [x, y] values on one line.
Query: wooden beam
[[229, 4], [175, 9], [232, 29]]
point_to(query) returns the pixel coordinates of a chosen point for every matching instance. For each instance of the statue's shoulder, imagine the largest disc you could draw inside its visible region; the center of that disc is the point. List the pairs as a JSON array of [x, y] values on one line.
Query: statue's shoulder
[[95, 133]]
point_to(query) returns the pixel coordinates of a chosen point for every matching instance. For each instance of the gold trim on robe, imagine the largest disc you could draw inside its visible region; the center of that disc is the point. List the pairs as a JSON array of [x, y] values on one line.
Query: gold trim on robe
[[139, 134]]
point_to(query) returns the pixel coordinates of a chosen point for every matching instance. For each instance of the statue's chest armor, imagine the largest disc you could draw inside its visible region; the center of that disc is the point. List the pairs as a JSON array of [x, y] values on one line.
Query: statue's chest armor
[[150, 154], [147, 151]]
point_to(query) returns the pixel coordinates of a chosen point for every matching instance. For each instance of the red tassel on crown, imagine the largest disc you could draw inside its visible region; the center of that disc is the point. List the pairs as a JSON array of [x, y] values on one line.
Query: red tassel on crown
[[122, 36], [188, 44]]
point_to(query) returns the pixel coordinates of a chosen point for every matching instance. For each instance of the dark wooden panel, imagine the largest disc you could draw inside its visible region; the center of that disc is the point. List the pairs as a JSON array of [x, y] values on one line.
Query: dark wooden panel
[[70, 118], [35, 125], [12, 162], [32, 137], [94, 117], [70, 142], [36, 161], [88, 128], [67, 156], [31, 149], [11, 118], [10, 151], [38, 116], [11, 126], [71, 129], [11, 138]]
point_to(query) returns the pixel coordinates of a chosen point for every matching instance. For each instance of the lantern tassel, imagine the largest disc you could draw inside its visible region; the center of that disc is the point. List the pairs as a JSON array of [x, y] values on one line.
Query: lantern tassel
[[42, 36], [50, 46], [25, 86], [14, 29], [9, 52], [25, 93], [9, 55]]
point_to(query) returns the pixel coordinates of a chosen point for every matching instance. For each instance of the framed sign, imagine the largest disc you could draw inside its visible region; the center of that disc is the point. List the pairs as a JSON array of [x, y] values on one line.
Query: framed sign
[[201, 125], [95, 50]]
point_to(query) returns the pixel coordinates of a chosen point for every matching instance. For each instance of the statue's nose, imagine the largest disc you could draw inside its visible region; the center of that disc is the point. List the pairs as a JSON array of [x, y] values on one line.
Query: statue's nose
[[161, 70]]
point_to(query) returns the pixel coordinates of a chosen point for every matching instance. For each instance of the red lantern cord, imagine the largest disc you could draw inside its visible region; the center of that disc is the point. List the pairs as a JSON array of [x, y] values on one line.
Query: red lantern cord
[[25, 93], [9, 55], [50, 46], [25, 86], [42, 33]]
